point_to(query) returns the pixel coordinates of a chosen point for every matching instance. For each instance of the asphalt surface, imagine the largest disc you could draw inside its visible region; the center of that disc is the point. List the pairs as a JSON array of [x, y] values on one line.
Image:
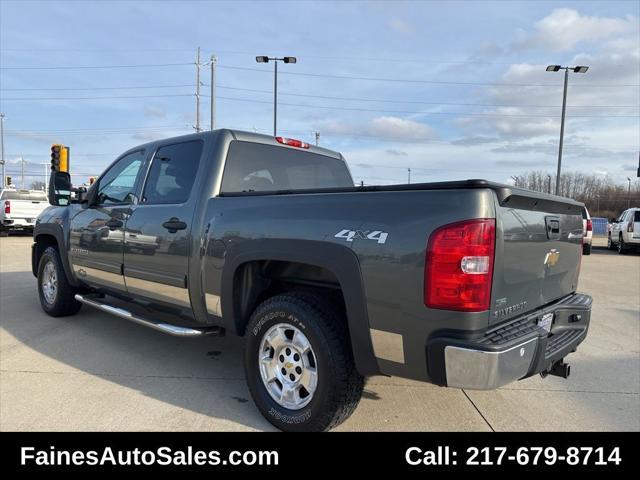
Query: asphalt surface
[[93, 371]]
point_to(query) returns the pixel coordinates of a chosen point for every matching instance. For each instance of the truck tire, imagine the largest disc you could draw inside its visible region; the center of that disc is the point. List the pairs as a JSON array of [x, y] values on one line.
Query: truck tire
[[586, 249], [55, 293], [299, 364], [4, 233], [622, 248]]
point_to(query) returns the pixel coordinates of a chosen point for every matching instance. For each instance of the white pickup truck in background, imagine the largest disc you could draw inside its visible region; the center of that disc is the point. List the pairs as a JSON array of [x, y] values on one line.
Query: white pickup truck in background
[[20, 208]]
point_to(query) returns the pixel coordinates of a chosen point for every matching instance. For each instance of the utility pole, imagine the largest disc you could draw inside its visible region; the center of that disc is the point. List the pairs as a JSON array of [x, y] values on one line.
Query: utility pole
[[408, 175], [515, 180], [2, 159], [629, 194], [198, 91], [549, 184], [213, 61], [317, 138], [22, 170]]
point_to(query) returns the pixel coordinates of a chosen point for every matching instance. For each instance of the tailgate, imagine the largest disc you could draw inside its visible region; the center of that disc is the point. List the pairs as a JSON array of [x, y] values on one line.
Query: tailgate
[[538, 252], [27, 208]]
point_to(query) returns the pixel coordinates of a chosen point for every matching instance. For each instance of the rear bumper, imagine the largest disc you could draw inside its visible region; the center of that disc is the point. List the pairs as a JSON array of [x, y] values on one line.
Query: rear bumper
[[18, 223], [632, 240], [511, 351]]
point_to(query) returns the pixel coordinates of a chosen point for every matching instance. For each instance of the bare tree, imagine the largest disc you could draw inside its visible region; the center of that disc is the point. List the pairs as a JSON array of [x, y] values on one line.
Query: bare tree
[[38, 185], [599, 193]]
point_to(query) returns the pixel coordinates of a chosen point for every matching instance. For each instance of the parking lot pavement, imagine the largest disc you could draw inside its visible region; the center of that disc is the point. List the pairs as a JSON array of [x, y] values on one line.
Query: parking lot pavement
[[93, 371]]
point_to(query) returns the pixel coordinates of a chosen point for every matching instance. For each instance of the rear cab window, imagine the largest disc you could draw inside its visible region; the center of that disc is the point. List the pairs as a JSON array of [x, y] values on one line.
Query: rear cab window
[[256, 167]]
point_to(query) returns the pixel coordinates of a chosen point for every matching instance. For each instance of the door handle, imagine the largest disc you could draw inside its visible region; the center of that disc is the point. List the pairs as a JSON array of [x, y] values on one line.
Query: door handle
[[114, 223], [173, 225]]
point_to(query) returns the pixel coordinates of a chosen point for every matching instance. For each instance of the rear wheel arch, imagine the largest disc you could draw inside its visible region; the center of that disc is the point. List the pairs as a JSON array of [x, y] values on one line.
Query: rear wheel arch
[[331, 270]]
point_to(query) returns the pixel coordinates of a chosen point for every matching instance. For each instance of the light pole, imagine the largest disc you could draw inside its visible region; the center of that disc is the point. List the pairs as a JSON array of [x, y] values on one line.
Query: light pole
[[2, 159], [629, 194], [265, 59], [555, 68]]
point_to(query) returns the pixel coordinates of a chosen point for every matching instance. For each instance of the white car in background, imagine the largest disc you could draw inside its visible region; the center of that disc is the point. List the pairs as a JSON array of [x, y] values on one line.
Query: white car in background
[[587, 232], [625, 231], [20, 208]]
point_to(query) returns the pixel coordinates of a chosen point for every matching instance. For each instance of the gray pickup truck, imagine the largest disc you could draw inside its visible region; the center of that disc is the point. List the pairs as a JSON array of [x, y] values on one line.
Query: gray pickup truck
[[466, 284]]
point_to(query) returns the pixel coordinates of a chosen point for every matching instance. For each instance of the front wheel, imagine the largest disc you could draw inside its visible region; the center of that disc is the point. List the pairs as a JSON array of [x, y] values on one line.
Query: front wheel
[[299, 364], [55, 292], [622, 248]]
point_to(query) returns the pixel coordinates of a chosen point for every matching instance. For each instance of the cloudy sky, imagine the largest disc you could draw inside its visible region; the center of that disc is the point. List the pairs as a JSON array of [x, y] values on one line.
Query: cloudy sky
[[449, 89]]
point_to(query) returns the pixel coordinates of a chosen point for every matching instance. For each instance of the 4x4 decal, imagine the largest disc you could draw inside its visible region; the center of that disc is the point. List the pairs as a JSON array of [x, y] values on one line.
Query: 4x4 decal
[[349, 235]]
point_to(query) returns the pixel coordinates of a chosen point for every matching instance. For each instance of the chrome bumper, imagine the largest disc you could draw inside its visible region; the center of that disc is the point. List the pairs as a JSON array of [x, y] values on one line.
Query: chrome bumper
[[485, 370]]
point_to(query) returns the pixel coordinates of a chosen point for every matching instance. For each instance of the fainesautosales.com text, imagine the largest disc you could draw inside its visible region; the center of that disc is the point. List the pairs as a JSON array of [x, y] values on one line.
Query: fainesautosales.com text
[[141, 457]]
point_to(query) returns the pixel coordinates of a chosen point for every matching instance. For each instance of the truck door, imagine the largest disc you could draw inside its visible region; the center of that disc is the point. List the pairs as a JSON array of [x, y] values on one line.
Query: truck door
[[97, 232], [158, 231]]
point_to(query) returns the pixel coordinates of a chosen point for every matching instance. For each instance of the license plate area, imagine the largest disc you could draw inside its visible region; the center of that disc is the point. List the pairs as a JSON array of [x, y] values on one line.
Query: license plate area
[[546, 321]]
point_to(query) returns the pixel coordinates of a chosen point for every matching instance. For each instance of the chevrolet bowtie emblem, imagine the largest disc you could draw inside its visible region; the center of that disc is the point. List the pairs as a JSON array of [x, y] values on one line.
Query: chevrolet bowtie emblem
[[552, 257]]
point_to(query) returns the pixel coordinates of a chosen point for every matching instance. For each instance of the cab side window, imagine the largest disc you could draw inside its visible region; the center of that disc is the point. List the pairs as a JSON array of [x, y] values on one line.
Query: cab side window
[[172, 174], [117, 186]]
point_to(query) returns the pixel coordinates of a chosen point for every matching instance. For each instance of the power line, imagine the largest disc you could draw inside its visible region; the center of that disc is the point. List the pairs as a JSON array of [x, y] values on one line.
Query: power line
[[419, 102], [436, 82], [311, 74], [93, 88], [101, 97], [395, 59], [355, 109], [105, 129], [82, 67], [305, 95]]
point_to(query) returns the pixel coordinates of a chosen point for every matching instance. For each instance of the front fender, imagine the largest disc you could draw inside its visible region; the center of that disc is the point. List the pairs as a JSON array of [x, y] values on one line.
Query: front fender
[[54, 222]]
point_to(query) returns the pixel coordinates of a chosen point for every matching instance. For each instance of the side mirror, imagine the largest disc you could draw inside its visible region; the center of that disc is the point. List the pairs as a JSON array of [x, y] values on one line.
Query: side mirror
[[60, 188]]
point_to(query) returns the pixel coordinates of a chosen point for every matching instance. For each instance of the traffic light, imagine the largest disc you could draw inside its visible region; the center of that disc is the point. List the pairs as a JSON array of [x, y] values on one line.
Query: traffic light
[[8, 180], [59, 158], [92, 180], [55, 157]]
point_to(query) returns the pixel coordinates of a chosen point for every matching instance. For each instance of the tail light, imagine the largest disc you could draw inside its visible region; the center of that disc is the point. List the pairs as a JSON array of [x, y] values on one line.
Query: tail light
[[7, 207], [589, 225], [292, 142], [459, 266], [630, 227]]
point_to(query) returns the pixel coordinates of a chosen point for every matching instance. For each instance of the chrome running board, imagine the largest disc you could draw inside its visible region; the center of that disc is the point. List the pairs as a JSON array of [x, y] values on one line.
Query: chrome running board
[[163, 327]]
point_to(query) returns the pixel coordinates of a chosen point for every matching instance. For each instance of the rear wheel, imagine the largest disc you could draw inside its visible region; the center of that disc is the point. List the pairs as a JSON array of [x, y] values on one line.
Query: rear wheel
[[610, 244], [299, 363], [4, 233], [55, 292], [586, 249]]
